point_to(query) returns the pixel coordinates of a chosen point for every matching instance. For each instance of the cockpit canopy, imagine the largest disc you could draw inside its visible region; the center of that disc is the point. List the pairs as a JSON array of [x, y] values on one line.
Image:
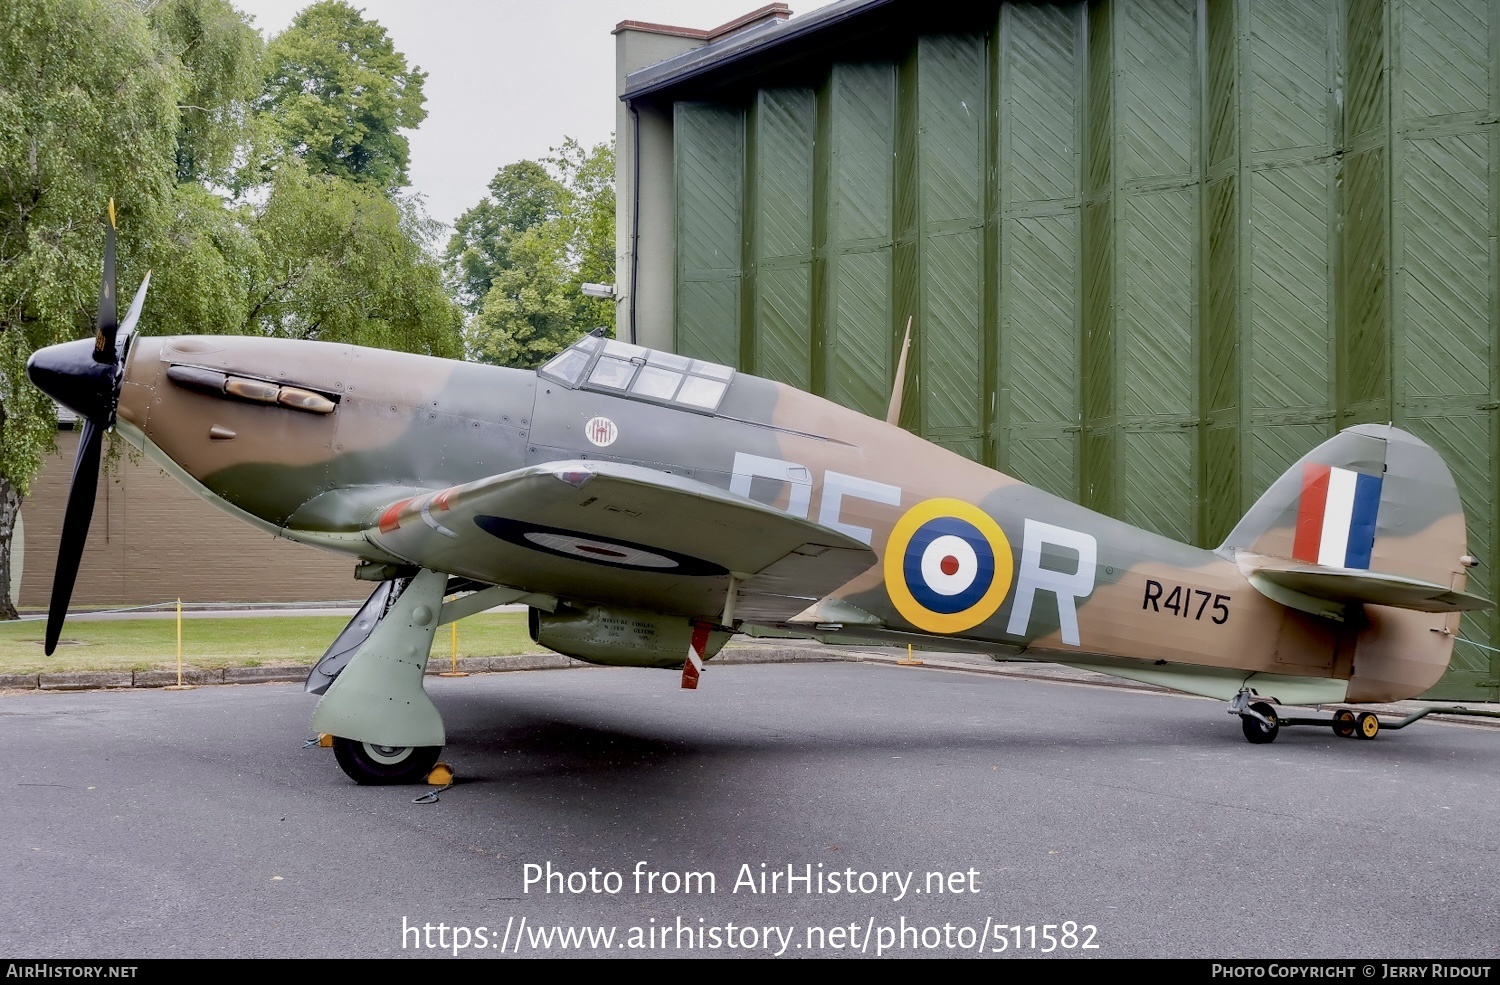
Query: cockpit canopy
[[625, 370]]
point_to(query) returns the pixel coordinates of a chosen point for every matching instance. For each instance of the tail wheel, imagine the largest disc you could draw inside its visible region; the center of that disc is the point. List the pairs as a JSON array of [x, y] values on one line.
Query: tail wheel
[[1343, 723], [1366, 726], [371, 764], [1257, 731]]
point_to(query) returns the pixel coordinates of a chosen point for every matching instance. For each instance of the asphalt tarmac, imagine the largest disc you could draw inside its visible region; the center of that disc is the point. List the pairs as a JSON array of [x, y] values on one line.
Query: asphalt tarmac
[[968, 813]]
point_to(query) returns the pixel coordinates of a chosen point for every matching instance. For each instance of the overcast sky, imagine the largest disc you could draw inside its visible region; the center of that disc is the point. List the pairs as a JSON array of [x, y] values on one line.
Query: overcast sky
[[508, 79]]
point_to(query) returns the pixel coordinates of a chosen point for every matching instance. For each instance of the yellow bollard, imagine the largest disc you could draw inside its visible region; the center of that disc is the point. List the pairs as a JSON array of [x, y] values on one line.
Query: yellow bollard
[[179, 686], [453, 635], [909, 661]]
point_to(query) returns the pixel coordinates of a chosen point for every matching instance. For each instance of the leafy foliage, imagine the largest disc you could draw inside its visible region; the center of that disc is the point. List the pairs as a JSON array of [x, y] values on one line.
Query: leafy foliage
[[518, 260], [219, 56], [338, 93], [337, 261], [87, 106], [522, 196], [163, 105], [88, 109]]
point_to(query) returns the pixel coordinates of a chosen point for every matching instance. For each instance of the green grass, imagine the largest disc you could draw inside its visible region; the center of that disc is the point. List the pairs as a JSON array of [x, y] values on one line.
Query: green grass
[[147, 644]]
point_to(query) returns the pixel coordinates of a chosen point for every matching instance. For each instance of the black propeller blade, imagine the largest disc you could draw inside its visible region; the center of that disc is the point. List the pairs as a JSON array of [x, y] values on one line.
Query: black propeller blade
[[85, 377], [75, 531]]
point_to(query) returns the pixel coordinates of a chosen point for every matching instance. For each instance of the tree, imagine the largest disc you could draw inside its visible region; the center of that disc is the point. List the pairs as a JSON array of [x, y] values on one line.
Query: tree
[[338, 261], [588, 220], [88, 109], [522, 196], [338, 93], [527, 316], [518, 260], [219, 54]]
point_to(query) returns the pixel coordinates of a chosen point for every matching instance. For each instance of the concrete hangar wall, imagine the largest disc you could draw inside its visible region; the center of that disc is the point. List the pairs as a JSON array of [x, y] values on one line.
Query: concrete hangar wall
[[1152, 251]]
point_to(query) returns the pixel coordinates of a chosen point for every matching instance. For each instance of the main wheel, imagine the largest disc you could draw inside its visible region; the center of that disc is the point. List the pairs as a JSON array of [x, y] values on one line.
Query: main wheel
[[1258, 731], [371, 764], [1366, 726], [1343, 723]]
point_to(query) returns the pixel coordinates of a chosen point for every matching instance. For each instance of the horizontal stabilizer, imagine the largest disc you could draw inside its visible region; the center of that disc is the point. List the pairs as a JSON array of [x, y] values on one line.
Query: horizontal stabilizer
[[1343, 586]]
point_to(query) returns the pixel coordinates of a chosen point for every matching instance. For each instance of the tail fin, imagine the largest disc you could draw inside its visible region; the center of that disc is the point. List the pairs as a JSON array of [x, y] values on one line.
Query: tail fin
[[1370, 515]]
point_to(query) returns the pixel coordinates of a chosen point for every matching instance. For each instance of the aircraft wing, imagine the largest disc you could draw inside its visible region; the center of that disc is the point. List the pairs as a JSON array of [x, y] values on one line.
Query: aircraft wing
[[623, 535]]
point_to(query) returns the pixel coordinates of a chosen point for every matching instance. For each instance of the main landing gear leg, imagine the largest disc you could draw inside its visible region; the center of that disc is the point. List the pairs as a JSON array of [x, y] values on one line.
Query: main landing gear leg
[[385, 727]]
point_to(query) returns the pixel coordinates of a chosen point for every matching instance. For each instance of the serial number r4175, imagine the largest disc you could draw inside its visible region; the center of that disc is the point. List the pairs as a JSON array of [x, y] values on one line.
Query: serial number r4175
[[1189, 603]]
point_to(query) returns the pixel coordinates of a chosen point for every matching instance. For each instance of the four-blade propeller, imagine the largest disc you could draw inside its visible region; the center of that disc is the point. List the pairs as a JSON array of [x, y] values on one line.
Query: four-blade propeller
[[85, 376]]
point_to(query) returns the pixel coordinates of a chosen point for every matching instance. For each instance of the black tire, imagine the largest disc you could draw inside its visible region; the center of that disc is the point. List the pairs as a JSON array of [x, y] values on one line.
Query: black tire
[[1343, 723], [372, 765], [1257, 731], [1366, 726]]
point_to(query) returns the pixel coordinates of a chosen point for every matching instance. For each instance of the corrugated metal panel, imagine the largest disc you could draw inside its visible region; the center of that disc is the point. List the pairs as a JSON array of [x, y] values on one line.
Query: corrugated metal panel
[[1155, 313], [862, 108], [1290, 368], [1098, 464], [1364, 343], [1287, 52], [1156, 215], [1037, 315], [1365, 349], [1158, 481], [1221, 481], [710, 169], [1154, 251], [1447, 234], [1445, 56], [1038, 118], [1156, 64], [778, 253], [1156, 359], [1365, 108], [1098, 364], [1221, 333], [1100, 117], [1222, 98], [951, 107], [1221, 477], [1040, 365]]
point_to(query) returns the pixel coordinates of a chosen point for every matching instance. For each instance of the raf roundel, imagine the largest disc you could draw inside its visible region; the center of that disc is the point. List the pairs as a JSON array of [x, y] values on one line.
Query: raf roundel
[[948, 566]]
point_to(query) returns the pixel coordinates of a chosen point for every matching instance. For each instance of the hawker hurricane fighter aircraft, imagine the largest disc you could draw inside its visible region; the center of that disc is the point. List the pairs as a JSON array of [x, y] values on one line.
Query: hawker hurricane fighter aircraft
[[645, 505]]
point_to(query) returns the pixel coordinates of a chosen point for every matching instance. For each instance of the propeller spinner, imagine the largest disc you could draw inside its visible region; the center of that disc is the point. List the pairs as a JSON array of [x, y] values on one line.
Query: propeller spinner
[[85, 376]]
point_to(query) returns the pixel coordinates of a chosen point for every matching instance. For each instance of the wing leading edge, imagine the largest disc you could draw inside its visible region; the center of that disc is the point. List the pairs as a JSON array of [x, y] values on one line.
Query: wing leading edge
[[616, 534]]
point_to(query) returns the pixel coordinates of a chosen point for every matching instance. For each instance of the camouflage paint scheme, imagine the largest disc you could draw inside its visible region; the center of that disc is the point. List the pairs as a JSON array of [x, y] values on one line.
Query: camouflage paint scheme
[[406, 430]]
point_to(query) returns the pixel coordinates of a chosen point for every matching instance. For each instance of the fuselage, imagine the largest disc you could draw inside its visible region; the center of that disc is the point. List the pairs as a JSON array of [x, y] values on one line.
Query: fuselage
[[313, 440]]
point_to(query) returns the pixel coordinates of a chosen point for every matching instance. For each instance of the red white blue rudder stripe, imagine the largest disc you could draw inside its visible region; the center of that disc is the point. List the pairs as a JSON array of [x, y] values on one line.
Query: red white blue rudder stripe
[[1336, 516]]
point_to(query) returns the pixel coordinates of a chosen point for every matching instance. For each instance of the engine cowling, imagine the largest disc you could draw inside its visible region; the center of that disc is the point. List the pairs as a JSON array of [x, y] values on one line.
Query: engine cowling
[[619, 637]]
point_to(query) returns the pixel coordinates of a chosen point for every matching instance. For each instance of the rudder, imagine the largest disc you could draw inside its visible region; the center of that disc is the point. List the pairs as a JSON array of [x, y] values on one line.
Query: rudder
[[1372, 498]]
